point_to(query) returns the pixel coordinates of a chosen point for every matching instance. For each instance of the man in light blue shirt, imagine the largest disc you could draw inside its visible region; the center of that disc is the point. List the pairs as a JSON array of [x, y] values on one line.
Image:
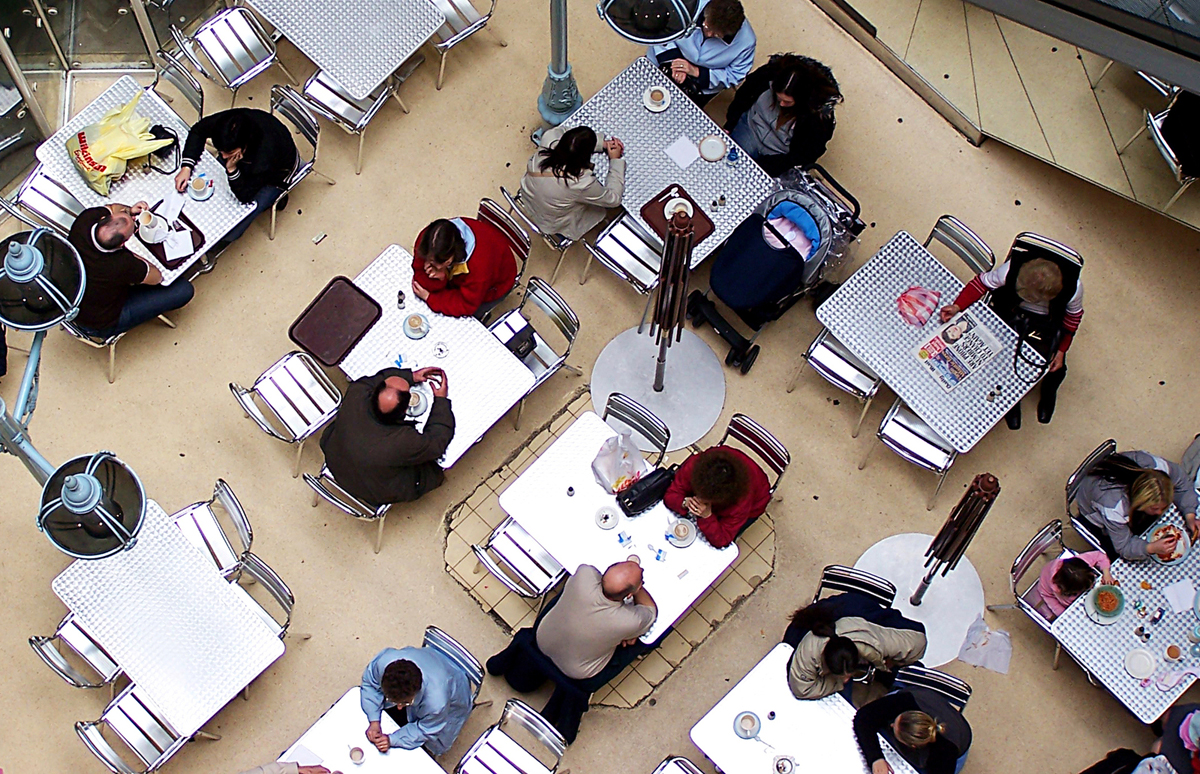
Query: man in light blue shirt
[[717, 55], [426, 694]]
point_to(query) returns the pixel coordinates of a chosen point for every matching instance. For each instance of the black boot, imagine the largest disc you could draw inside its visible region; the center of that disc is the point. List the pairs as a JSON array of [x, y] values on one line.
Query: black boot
[[1013, 417], [1045, 409], [281, 203]]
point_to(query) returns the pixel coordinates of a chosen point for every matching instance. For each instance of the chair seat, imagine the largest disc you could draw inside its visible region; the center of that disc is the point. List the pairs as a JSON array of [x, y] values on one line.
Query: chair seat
[[259, 610], [49, 201], [498, 753], [907, 435], [141, 730], [830, 358], [542, 361], [200, 526], [339, 106], [81, 642], [627, 246], [523, 556], [234, 46], [297, 398]]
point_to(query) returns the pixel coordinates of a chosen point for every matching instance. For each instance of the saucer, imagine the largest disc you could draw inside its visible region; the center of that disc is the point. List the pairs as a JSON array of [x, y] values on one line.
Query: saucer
[[418, 402], [747, 725], [418, 333], [712, 147], [666, 103], [607, 517], [203, 196], [683, 542], [143, 232], [677, 203], [1140, 663]]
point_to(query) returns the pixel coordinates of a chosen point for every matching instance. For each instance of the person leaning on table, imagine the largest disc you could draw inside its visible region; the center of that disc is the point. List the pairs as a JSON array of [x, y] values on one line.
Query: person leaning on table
[[723, 490], [922, 725], [560, 191], [428, 697], [286, 768], [462, 267], [717, 54]]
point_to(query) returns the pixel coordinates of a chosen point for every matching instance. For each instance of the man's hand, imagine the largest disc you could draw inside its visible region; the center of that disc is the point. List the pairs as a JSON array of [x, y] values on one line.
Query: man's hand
[[376, 736], [419, 291], [614, 148], [441, 385], [629, 642], [1056, 362], [422, 374], [138, 208], [313, 770], [697, 508], [881, 767], [948, 311], [182, 178]]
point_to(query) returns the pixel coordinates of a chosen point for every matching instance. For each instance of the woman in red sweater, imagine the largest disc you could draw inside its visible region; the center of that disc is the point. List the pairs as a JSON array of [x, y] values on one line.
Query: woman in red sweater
[[723, 489], [462, 267]]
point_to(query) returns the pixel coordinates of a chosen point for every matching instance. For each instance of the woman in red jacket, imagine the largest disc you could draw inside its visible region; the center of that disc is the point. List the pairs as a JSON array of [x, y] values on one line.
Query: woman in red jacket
[[723, 489], [462, 267]]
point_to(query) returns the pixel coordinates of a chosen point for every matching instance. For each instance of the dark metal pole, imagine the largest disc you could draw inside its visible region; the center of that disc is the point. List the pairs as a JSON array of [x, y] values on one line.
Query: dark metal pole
[[952, 539]]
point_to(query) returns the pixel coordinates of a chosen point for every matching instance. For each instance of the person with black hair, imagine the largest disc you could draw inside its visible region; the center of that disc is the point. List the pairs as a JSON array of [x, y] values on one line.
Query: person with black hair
[[259, 156], [723, 490], [782, 115], [1062, 581], [837, 642], [462, 267], [122, 290], [717, 54], [560, 192], [374, 451], [423, 691]]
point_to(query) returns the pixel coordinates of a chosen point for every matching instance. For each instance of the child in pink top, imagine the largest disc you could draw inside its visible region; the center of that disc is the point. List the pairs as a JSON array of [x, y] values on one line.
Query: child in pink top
[[1063, 580]]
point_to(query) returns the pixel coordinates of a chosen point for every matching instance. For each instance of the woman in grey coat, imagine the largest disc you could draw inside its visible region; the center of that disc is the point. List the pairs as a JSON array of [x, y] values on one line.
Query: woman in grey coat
[[560, 192]]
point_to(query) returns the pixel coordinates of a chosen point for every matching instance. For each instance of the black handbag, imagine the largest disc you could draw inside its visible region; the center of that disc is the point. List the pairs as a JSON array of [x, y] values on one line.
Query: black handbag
[[522, 343], [643, 494], [171, 154]]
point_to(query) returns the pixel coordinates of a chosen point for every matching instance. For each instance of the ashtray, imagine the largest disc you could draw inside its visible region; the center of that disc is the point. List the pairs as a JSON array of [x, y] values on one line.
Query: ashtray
[[678, 204], [607, 517], [783, 764]]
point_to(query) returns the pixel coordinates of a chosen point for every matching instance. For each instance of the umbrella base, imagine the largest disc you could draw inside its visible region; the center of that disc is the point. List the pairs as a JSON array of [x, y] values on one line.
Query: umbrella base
[[694, 388]]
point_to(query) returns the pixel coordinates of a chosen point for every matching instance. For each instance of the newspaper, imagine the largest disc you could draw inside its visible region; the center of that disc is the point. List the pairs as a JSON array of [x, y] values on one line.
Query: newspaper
[[958, 349]]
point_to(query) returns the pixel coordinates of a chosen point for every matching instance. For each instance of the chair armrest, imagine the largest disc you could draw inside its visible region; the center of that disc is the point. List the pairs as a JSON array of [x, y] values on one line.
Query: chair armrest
[[248, 405], [45, 649], [465, 33]]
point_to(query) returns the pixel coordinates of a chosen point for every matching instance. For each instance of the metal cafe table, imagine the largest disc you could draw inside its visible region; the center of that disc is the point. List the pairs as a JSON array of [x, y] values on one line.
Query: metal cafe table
[[344, 725], [617, 111], [215, 217], [817, 734], [1101, 649], [862, 314], [564, 524], [358, 44], [185, 635], [486, 380]]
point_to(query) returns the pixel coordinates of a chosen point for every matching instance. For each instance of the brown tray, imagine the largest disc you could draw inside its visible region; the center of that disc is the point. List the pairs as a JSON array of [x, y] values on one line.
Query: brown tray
[[652, 213], [159, 251], [335, 321]]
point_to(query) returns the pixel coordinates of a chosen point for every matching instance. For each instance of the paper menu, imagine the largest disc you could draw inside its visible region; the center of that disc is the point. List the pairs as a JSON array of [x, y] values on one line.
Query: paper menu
[[302, 756], [683, 152], [172, 205]]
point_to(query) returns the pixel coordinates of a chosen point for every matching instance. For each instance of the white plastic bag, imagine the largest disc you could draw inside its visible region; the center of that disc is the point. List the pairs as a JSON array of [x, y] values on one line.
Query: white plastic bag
[[988, 648], [618, 463]]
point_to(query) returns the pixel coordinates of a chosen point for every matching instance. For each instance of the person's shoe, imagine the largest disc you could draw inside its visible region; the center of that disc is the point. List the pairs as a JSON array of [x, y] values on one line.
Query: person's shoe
[[1013, 418], [1046, 408], [281, 203]]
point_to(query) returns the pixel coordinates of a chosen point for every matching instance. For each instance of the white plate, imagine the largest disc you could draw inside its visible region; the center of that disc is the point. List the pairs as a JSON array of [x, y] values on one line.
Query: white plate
[[676, 203], [607, 517], [712, 147], [1185, 542], [1140, 663], [666, 103]]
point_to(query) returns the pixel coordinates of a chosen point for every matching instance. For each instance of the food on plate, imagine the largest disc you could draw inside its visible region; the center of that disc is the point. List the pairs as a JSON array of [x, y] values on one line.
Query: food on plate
[[1107, 601], [1167, 531]]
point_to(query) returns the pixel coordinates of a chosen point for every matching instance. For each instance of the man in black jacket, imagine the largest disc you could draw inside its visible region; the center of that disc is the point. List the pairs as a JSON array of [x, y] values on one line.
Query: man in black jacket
[[374, 451], [258, 153]]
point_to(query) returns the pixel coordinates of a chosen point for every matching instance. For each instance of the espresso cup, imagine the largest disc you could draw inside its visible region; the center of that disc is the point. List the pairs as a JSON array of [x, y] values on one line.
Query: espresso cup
[[199, 184], [414, 322], [357, 755], [1173, 652], [680, 530], [658, 96], [145, 218]]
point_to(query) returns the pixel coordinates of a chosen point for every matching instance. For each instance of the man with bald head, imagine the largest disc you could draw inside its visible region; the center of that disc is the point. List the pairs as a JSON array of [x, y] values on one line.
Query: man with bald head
[[372, 448], [592, 631]]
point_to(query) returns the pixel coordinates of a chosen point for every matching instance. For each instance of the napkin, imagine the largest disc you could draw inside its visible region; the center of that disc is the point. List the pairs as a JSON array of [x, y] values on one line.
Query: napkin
[[172, 205], [683, 152], [1180, 595], [303, 756], [178, 244]]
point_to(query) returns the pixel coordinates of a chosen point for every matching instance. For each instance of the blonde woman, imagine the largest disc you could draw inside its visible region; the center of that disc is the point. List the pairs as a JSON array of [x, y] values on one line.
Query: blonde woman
[[1126, 493], [924, 728]]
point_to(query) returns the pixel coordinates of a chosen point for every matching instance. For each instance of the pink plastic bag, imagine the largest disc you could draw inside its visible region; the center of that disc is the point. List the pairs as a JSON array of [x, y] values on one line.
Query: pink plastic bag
[[916, 305]]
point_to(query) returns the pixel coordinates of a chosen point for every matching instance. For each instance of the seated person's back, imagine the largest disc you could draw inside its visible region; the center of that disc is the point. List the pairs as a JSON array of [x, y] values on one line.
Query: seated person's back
[[462, 266]]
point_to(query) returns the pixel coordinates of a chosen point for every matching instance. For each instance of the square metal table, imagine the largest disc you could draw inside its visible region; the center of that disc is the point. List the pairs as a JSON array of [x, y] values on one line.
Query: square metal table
[[215, 217], [189, 638], [862, 314], [617, 111], [344, 725], [817, 733], [358, 44], [565, 524], [1101, 649], [486, 380]]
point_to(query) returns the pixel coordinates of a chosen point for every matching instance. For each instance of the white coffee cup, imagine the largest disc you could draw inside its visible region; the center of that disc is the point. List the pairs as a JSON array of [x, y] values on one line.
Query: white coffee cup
[[152, 228]]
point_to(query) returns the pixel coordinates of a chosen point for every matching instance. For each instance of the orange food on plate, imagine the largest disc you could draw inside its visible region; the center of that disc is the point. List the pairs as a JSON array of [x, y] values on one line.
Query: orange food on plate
[[1170, 530], [1106, 601]]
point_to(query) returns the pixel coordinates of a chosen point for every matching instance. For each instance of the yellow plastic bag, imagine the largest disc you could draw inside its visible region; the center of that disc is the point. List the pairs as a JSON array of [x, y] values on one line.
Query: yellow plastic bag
[[100, 151]]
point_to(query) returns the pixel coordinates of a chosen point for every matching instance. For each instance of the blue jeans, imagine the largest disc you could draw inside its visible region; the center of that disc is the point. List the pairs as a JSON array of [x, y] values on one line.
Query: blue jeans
[[147, 302], [961, 762], [263, 200], [742, 135]]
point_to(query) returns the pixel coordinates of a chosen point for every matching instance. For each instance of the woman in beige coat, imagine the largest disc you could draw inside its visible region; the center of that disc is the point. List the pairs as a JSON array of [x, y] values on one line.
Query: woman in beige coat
[[560, 192]]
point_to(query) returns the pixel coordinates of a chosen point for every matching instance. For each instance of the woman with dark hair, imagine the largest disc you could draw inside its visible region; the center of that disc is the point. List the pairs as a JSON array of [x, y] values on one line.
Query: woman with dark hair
[[1125, 494], [782, 116], [462, 267], [559, 191], [840, 637], [1064, 580], [723, 490]]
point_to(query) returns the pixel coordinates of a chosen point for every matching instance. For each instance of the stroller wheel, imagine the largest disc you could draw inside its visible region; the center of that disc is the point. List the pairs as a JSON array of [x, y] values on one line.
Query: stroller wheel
[[732, 358], [748, 360]]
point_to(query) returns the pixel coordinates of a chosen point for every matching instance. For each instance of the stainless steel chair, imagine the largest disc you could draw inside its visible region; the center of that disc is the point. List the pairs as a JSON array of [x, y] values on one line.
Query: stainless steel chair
[[294, 110], [496, 752], [1082, 526], [542, 361], [141, 729], [641, 420], [492, 213], [956, 691], [630, 252], [333, 103], [905, 433], [463, 659], [48, 202], [105, 342], [1029, 239], [761, 443], [963, 242], [325, 487], [291, 401], [462, 21], [266, 578], [1153, 122], [235, 45], [840, 578], [676, 765], [200, 526], [71, 635], [175, 72], [518, 561], [556, 242], [838, 366]]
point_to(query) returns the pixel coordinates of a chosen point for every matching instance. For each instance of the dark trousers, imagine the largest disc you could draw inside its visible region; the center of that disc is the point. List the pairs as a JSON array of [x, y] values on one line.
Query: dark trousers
[[263, 200], [1049, 388], [147, 302], [3, 352]]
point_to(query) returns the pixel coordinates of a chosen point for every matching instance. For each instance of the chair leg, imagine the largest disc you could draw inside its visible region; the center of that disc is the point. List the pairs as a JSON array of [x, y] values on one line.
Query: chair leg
[[1103, 72], [586, 266], [233, 99], [166, 321], [246, 693], [324, 177], [112, 362], [441, 71], [274, 210], [484, 703], [1131, 139], [299, 454], [867, 456], [379, 534], [791, 385], [358, 160], [501, 41], [862, 415], [286, 74], [1178, 193], [402, 105], [1057, 653], [208, 736], [993, 608], [315, 499], [517, 419], [645, 311], [573, 369], [561, 255], [936, 489]]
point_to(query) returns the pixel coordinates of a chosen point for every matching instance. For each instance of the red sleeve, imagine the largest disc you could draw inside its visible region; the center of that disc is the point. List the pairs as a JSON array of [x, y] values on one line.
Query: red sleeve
[[681, 487], [723, 526], [971, 293]]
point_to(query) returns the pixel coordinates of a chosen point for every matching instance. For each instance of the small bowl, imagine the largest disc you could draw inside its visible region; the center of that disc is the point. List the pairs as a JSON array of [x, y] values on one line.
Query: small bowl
[[1120, 601]]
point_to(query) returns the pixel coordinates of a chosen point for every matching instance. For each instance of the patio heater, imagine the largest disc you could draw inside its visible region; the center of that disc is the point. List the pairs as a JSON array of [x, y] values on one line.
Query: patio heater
[[641, 21], [956, 534], [670, 297], [91, 506]]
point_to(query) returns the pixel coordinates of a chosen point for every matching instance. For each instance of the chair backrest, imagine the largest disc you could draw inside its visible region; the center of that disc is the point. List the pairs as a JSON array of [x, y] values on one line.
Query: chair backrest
[[223, 494], [297, 392], [47, 648], [270, 581], [461, 16], [1047, 538], [625, 249], [48, 201], [236, 44], [839, 366], [329, 489], [293, 108], [1028, 239], [518, 239], [963, 242], [641, 419], [676, 765], [956, 691], [443, 643], [762, 443], [546, 298], [837, 577], [1154, 125], [177, 74], [140, 727], [905, 433], [522, 715], [520, 562], [1098, 454]]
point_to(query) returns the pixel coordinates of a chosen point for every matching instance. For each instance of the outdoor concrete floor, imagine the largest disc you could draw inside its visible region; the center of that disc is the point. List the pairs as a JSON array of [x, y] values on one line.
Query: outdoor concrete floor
[[170, 415]]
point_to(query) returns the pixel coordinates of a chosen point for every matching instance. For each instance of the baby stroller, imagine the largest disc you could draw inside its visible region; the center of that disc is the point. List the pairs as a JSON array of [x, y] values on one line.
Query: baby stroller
[[761, 271]]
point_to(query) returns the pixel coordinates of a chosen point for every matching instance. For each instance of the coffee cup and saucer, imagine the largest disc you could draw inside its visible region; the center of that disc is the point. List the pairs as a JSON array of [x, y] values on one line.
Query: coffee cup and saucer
[[656, 99], [678, 204], [416, 326], [200, 189], [681, 533], [418, 401], [152, 228]]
